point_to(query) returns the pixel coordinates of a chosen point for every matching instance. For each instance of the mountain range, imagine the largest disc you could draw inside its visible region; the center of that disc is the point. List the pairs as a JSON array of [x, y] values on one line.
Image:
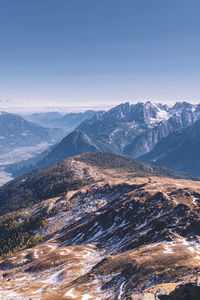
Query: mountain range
[[133, 131]]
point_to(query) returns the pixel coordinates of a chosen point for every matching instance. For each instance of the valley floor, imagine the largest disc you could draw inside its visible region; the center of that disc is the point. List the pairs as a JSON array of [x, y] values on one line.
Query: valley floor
[[17, 155]]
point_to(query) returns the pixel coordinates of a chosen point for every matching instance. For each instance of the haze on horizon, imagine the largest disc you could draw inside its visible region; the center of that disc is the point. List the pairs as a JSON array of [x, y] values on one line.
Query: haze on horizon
[[98, 53]]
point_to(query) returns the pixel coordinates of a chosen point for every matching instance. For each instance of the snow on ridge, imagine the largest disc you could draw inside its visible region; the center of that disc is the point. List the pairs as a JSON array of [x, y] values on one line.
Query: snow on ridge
[[162, 114]]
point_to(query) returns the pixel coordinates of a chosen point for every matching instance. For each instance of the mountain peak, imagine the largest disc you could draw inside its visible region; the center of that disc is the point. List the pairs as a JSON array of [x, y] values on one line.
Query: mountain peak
[[179, 107], [120, 111]]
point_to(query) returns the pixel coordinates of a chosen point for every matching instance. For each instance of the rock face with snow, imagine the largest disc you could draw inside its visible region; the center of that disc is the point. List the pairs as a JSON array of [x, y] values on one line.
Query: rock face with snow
[[16, 132], [121, 234], [114, 130], [134, 130], [178, 151]]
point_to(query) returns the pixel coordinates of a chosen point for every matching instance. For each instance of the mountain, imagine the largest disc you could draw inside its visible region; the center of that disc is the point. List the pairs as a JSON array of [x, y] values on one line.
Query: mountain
[[75, 143], [99, 227], [16, 132], [178, 151], [67, 121]]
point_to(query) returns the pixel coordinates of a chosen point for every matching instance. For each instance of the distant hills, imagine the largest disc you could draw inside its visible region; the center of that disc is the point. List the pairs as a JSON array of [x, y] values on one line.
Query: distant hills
[[17, 132], [67, 121]]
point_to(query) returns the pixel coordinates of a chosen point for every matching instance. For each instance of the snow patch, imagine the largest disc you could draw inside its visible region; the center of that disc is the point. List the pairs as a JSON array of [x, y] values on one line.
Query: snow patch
[[65, 251], [52, 247], [191, 249], [70, 293], [167, 249], [36, 254], [86, 297]]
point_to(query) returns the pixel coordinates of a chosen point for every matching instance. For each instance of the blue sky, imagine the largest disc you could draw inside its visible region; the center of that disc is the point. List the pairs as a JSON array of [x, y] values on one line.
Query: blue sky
[[91, 52]]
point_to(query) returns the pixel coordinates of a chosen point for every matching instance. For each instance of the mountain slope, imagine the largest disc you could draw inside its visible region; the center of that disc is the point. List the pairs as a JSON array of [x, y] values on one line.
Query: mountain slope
[[37, 186], [75, 143], [119, 162], [120, 235], [178, 151], [59, 178], [16, 132]]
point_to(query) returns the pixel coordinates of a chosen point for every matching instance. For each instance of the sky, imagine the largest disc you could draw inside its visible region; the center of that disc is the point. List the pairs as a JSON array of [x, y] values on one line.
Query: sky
[[72, 53]]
